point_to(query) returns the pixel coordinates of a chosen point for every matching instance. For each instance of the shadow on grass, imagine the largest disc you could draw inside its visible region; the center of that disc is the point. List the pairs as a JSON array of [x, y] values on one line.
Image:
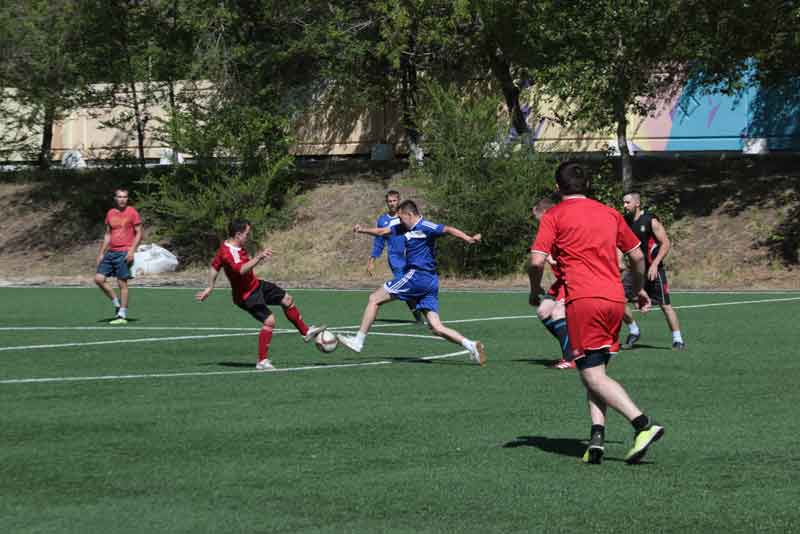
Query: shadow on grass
[[564, 446], [544, 362], [106, 321], [643, 346], [397, 321]]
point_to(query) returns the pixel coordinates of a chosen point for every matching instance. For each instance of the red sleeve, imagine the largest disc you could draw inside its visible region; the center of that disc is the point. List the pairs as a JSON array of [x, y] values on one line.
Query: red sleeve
[[218, 261], [135, 219], [546, 235], [105, 221], [626, 239]]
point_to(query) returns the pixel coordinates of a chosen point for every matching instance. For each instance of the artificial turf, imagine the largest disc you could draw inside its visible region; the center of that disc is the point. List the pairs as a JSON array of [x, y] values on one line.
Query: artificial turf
[[132, 434]]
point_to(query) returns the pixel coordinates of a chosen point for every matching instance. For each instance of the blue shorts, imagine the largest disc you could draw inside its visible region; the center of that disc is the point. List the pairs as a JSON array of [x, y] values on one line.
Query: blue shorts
[[115, 264], [417, 286]]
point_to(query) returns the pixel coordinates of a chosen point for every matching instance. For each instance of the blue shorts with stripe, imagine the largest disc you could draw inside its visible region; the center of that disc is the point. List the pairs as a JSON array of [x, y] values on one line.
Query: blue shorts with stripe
[[421, 287]]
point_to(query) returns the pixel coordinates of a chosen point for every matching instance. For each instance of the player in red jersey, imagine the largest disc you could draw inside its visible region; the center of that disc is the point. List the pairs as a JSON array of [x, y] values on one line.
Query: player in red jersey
[[250, 293], [122, 236], [551, 310], [586, 235]]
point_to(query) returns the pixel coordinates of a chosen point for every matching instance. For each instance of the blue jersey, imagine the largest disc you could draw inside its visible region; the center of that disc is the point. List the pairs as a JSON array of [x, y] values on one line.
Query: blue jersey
[[396, 253], [420, 244]]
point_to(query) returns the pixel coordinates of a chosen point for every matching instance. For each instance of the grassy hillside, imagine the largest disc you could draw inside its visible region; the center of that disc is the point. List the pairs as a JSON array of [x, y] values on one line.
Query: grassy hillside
[[736, 226]]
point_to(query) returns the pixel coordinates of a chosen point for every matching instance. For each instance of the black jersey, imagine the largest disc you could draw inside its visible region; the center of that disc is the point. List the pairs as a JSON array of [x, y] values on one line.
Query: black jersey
[[643, 228]]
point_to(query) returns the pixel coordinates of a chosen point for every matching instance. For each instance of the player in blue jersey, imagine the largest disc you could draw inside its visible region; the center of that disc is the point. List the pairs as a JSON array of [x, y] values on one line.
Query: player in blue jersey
[[395, 245], [419, 281]]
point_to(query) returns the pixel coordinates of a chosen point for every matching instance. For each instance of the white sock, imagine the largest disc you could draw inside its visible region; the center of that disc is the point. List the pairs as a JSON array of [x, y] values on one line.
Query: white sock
[[633, 329], [468, 344], [123, 312], [115, 302], [360, 337], [676, 336]]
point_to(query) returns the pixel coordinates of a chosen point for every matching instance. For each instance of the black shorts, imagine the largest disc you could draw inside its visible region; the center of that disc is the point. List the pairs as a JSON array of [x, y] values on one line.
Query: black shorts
[[657, 290], [267, 293]]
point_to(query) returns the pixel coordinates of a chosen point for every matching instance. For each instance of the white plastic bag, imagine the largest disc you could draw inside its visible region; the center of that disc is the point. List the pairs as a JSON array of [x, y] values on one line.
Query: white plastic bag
[[152, 259]]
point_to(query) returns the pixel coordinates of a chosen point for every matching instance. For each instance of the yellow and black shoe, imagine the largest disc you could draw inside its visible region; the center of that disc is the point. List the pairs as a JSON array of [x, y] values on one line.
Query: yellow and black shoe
[[642, 442], [595, 450]]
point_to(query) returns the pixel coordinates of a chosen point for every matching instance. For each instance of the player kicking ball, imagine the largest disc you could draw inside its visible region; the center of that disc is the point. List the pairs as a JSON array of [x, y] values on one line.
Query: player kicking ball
[[420, 280], [250, 293]]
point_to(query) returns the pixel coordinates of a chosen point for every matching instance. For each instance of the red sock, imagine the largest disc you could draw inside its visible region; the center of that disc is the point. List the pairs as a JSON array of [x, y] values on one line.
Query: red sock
[[293, 314], [264, 337]]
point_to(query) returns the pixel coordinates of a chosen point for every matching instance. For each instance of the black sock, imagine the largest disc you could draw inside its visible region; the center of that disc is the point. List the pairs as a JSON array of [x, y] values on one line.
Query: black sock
[[641, 423], [550, 325], [598, 429]]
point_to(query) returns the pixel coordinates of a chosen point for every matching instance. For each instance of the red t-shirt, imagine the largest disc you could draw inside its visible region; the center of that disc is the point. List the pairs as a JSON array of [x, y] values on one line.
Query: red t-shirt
[[232, 259], [123, 228], [587, 235]]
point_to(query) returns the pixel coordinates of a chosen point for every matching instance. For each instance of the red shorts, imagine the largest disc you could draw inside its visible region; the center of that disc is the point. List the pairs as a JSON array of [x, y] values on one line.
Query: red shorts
[[558, 290], [593, 324]]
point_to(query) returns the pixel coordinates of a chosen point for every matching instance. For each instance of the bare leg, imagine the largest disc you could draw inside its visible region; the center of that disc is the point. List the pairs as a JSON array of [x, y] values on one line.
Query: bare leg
[[597, 408], [123, 292], [104, 286], [607, 390], [376, 299], [671, 317], [436, 326]]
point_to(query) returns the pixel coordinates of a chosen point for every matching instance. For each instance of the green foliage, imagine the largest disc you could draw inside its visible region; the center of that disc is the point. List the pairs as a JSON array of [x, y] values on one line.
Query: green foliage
[[192, 206], [478, 183]]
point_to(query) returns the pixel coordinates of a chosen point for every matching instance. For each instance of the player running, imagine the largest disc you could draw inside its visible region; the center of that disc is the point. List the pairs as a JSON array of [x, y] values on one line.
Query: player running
[[395, 245], [250, 293], [655, 246], [586, 235], [419, 281], [551, 310]]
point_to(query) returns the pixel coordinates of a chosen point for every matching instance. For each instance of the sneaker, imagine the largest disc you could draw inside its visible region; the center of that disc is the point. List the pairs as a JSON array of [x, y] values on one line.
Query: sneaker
[[119, 320], [563, 364], [642, 442], [479, 354], [349, 342], [595, 450], [313, 331], [632, 339], [678, 345], [265, 365]]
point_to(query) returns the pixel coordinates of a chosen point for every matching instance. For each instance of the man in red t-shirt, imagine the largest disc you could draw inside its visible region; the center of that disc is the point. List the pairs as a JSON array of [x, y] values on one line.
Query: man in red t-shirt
[[250, 293], [122, 236], [586, 235]]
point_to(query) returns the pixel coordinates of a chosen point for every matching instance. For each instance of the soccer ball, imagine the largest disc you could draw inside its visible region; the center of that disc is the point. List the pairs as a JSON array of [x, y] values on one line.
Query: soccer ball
[[326, 341]]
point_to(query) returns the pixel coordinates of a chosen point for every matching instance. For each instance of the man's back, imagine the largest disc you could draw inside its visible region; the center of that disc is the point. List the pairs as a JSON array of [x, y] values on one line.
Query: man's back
[[586, 235]]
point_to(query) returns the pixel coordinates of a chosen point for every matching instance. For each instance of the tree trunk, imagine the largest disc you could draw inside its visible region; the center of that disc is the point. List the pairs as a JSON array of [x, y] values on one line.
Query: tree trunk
[[141, 123], [46, 147], [408, 94], [622, 144], [501, 69]]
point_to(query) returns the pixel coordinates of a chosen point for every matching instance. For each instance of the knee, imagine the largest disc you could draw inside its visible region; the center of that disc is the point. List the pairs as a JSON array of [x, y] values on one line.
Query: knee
[[287, 301], [99, 279], [374, 300], [542, 314], [269, 323]]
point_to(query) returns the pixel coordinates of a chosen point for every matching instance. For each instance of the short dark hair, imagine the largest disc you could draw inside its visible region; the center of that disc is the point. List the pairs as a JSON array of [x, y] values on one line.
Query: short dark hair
[[392, 193], [236, 226], [572, 178], [408, 206]]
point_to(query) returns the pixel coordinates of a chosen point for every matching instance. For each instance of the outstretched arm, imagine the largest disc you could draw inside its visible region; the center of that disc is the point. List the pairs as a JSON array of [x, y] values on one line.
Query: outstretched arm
[[455, 232], [371, 230], [212, 279]]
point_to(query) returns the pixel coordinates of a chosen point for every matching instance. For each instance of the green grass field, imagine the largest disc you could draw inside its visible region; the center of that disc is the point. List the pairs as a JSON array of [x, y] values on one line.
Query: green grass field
[[163, 425]]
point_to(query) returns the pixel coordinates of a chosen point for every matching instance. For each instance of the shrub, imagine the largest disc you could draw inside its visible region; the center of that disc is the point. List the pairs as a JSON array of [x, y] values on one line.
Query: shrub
[[479, 182]]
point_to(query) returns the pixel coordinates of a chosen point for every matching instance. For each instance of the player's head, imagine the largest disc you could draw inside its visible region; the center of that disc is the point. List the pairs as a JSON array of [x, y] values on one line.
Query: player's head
[[239, 229], [631, 202], [572, 179], [542, 206], [408, 212], [121, 198], [392, 201]]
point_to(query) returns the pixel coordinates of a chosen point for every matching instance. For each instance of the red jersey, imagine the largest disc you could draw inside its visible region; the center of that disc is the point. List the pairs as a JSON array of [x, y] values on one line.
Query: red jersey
[[123, 228], [232, 259], [587, 235]]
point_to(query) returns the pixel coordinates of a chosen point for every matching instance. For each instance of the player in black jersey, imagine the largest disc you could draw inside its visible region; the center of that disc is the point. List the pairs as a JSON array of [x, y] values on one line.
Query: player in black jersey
[[655, 245]]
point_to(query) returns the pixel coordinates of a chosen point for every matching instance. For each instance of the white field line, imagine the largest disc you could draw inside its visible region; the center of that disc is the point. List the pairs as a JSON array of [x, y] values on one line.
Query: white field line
[[338, 328], [215, 373], [196, 373], [127, 327]]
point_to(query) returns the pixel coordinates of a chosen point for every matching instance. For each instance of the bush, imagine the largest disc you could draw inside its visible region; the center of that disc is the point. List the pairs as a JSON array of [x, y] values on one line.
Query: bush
[[193, 205], [480, 183]]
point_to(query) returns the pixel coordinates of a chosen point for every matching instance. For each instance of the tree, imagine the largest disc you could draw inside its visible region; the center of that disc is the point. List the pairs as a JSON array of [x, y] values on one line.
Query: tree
[[616, 58], [42, 63]]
